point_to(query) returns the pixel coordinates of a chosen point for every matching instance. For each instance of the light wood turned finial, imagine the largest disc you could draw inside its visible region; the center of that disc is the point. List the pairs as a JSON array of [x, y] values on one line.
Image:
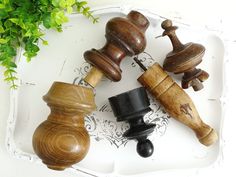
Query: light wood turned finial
[[184, 58], [125, 37], [62, 140], [176, 102]]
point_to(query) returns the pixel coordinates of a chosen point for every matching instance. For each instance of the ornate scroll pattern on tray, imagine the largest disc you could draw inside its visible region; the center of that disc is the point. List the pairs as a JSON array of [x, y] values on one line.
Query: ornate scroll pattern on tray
[[81, 72], [145, 58], [102, 125], [157, 116], [101, 128], [104, 129]]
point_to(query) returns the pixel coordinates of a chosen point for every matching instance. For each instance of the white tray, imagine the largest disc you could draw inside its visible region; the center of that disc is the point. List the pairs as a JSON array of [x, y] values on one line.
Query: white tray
[[176, 146]]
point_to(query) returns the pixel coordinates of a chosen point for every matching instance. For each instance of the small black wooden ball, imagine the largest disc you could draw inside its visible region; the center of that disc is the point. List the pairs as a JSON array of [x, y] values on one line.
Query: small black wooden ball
[[145, 148]]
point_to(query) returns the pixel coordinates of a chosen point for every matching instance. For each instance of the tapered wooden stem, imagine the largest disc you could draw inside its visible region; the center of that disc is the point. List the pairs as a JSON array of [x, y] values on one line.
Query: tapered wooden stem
[[170, 32], [176, 102], [94, 77], [62, 140]]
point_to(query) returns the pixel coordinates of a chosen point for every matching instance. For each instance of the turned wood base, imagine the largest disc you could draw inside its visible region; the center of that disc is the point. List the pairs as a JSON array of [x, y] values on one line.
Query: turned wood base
[[62, 140]]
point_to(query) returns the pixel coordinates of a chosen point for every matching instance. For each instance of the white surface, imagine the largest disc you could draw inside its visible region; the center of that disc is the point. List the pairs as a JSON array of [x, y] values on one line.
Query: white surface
[[12, 167], [65, 65]]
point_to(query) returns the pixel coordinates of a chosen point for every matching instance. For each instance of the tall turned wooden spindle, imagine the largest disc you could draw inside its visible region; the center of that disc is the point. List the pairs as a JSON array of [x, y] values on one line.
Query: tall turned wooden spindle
[[176, 102], [131, 107], [125, 37], [62, 139], [184, 58]]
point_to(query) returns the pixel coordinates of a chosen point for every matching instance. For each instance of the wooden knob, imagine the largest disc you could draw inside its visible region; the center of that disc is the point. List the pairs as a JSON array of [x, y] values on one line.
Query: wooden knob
[[131, 107], [176, 102], [125, 37], [167, 24], [184, 59], [62, 140]]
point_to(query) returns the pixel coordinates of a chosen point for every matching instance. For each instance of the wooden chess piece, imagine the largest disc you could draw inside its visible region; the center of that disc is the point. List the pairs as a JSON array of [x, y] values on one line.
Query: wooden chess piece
[[131, 107], [125, 37], [176, 102], [184, 58], [62, 139]]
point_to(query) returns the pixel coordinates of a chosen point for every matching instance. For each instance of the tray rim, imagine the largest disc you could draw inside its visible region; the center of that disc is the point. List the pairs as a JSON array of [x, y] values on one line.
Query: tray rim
[[124, 9]]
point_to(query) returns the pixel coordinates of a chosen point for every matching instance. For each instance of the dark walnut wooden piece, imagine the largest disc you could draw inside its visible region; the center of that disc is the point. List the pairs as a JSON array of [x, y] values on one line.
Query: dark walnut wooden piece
[[176, 102], [62, 139], [131, 107], [125, 37], [184, 58]]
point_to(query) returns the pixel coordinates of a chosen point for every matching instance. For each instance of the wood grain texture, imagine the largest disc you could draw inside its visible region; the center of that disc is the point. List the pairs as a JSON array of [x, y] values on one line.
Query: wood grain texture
[[184, 58], [125, 37], [62, 140], [176, 102], [94, 77]]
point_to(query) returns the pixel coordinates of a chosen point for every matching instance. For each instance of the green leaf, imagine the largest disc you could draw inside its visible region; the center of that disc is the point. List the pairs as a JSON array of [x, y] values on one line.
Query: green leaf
[[56, 3], [10, 78], [3, 41], [8, 24], [5, 1], [2, 6], [3, 14], [20, 22], [69, 10], [62, 3], [82, 3], [45, 42], [47, 20], [2, 57], [14, 20], [44, 2], [59, 17], [9, 72], [8, 51], [14, 86], [12, 64]]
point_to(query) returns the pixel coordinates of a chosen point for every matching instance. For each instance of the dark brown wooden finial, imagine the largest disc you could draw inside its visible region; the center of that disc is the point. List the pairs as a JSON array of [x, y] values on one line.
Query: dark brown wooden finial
[[62, 140], [125, 37], [184, 58]]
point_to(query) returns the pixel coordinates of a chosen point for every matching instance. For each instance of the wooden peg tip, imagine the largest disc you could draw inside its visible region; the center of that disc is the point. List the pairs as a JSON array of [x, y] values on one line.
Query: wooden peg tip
[[209, 139], [94, 77]]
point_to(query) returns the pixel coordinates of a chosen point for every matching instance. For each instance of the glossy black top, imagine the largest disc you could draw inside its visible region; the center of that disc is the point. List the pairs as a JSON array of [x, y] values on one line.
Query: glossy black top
[[127, 105]]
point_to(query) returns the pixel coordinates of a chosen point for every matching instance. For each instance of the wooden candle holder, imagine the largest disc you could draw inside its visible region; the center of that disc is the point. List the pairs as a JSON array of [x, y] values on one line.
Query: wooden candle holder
[[176, 102], [125, 37], [184, 58], [62, 139], [131, 107]]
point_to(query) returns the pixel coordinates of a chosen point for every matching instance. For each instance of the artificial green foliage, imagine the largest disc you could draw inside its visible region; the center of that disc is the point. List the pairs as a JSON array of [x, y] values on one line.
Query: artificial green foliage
[[20, 22]]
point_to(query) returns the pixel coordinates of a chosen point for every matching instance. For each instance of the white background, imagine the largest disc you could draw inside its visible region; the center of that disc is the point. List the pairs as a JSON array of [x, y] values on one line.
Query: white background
[[199, 12]]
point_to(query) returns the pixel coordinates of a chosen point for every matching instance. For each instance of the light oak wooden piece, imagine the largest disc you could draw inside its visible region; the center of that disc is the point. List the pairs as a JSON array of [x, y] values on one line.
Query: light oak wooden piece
[[94, 77], [62, 139], [176, 102]]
